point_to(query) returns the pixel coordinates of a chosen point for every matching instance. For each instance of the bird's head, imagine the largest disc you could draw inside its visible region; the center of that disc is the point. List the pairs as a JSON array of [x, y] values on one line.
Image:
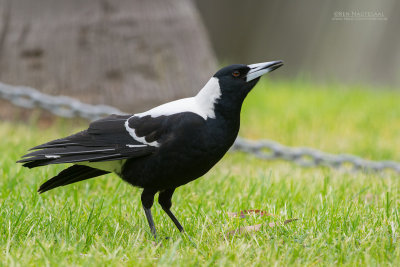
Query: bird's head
[[227, 89], [242, 78]]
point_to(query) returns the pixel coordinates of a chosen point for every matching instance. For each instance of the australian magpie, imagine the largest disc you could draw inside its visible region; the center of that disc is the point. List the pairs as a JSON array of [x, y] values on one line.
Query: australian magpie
[[160, 149]]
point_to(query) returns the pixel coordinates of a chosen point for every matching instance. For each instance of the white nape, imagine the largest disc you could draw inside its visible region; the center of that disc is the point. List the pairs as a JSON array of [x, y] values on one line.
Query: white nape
[[202, 104]]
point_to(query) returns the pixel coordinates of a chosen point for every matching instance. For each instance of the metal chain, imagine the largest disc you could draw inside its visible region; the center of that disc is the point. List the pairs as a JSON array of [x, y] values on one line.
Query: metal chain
[[309, 157], [64, 106]]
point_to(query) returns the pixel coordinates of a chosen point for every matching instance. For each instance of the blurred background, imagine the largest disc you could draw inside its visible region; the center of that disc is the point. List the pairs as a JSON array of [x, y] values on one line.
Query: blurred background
[[135, 54], [343, 41]]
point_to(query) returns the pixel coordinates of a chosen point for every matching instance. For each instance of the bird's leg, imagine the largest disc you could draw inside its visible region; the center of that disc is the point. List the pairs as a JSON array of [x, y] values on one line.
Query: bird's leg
[[164, 199], [147, 202]]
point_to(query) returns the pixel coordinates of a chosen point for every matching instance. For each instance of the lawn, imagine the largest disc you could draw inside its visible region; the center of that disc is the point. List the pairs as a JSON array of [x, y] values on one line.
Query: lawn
[[343, 218]]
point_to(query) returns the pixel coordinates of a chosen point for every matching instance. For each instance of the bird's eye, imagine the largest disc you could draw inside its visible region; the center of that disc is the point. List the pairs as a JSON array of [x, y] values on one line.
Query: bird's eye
[[236, 73]]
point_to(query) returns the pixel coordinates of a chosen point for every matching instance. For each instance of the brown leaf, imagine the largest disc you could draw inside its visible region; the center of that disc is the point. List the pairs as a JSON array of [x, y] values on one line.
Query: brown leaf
[[256, 228], [289, 221], [245, 213], [370, 198], [245, 229]]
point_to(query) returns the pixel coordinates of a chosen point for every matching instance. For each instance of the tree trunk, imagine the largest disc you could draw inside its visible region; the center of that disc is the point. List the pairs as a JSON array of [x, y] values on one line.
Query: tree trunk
[[131, 54]]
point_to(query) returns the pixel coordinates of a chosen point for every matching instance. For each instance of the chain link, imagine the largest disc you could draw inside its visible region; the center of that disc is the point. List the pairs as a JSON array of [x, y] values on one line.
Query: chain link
[[64, 106], [309, 157]]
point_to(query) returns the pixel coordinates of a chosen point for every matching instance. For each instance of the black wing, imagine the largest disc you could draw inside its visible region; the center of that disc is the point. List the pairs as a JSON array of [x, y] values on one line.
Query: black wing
[[105, 139], [166, 128]]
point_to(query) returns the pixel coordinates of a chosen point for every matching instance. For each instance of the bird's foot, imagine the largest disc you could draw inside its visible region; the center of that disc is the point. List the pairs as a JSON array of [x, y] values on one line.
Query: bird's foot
[[189, 238]]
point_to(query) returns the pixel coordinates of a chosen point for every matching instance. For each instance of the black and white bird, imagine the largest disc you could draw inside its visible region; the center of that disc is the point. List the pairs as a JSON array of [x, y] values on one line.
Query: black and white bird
[[160, 149]]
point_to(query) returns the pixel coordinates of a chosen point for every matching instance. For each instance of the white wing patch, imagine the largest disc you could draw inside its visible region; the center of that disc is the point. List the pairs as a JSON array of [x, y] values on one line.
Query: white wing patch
[[128, 145], [202, 104], [137, 138], [52, 156]]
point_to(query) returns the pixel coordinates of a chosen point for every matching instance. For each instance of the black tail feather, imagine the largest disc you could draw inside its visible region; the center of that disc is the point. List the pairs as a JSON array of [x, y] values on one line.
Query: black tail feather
[[71, 175], [36, 163]]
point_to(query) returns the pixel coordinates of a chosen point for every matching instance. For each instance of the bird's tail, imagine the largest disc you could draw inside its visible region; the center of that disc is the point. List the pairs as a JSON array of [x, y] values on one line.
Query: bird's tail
[[71, 175]]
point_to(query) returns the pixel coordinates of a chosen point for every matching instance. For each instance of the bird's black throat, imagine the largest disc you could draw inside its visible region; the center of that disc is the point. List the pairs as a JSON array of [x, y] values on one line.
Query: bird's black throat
[[229, 105]]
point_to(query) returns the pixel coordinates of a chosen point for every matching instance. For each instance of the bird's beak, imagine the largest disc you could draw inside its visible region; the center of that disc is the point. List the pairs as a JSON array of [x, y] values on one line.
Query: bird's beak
[[259, 69]]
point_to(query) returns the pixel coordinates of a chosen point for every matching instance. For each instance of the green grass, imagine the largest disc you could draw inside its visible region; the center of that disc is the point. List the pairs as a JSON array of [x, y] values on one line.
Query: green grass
[[343, 218]]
